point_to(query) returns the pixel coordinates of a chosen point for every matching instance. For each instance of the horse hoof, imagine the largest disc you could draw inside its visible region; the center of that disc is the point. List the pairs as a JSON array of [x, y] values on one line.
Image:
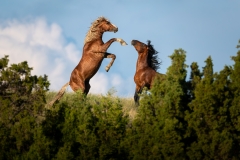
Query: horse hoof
[[107, 69], [122, 42]]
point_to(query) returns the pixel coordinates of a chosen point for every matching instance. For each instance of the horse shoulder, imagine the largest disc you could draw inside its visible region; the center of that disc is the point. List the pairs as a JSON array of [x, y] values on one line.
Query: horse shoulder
[[96, 43]]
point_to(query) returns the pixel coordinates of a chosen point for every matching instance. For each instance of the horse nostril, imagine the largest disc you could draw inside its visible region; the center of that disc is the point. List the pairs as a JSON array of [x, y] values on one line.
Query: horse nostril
[[115, 30]]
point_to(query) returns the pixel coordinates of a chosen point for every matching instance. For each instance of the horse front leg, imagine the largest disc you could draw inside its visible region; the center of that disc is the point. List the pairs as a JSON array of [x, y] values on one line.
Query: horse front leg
[[109, 55], [138, 91], [106, 45], [136, 98], [136, 95], [121, 41]]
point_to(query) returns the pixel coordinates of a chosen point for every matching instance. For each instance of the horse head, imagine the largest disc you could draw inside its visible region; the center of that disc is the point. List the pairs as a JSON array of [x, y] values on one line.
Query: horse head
[[106, 26], [139, 46], [98, 27]]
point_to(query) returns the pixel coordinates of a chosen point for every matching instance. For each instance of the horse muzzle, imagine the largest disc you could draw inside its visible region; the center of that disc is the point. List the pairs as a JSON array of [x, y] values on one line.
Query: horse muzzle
[[115, 30], [133, 42]]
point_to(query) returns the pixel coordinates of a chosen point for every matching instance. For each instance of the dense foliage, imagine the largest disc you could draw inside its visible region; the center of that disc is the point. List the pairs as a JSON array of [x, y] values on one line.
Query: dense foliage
[[197, 118]]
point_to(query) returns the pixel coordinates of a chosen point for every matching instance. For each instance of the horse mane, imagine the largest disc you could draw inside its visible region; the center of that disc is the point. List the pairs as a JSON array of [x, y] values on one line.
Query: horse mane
[[91, 34], [153, 60]]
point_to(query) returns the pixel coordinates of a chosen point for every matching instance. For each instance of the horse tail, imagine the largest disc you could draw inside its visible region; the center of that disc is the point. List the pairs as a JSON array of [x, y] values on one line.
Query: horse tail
[[58, 96]]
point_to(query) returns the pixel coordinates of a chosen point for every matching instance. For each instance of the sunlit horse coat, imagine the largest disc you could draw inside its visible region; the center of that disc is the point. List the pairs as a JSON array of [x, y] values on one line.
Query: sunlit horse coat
[[94, 51]]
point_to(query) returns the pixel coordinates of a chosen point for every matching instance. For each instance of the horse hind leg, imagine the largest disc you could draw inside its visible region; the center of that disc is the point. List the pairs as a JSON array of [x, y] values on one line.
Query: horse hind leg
[[87, 87], [109, 55], [78, 86]]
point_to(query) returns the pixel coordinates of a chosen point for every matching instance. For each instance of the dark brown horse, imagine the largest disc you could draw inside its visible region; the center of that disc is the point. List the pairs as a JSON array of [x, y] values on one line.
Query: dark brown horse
[[146, 69], [94, 51]]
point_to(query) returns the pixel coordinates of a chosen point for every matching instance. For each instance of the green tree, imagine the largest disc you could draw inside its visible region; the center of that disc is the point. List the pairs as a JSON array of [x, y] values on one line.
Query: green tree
[[195, 78], [202, 113], [158, 131], [209, 118], [235, 79], [22, 100], [87, 129], [235, 103]]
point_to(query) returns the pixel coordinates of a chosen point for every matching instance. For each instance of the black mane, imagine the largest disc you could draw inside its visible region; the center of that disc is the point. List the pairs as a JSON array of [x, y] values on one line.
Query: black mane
[[153, 57]]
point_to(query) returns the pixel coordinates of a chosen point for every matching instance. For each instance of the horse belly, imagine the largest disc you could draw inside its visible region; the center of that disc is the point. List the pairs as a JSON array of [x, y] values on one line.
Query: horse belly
[[90, 67]]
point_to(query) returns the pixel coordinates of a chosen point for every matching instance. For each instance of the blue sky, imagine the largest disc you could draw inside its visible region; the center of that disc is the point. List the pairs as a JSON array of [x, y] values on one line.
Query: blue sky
[[50, 34]]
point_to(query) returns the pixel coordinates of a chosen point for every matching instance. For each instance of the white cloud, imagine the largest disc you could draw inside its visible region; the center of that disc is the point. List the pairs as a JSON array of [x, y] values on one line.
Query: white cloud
[[116, 80], [124, 87], [72, 53], [99, 83], [42, 45], [46, 36], [102, 82]]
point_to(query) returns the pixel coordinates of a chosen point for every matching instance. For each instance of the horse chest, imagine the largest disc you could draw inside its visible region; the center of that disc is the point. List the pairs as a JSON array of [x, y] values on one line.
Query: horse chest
[[144, 76]]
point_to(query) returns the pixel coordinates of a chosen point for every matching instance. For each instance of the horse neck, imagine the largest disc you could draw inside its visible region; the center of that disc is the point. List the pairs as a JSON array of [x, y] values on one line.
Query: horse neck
[[98, 35], [93, 36], [142, 61]]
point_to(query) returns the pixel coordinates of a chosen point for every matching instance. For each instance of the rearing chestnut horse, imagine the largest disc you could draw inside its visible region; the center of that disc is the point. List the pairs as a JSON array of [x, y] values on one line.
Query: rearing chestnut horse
[[94, 51], [146, 69]]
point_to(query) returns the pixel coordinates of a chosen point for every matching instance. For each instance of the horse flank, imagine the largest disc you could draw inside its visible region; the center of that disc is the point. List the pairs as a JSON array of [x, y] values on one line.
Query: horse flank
[[91, 34]]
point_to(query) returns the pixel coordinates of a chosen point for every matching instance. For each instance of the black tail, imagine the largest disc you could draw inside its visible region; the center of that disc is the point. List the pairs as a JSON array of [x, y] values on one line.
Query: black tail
[[58, 96]]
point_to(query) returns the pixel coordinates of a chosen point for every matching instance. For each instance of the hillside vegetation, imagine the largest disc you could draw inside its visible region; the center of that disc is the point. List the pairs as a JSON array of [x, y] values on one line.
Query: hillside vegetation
[[197, 118]]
